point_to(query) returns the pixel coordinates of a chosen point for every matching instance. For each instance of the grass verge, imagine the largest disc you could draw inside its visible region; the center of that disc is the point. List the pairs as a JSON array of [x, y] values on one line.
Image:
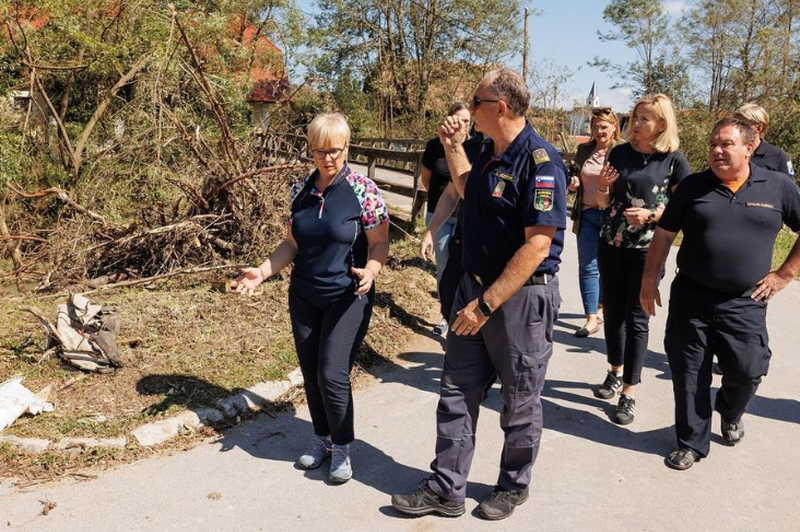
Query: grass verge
[[184, 346]]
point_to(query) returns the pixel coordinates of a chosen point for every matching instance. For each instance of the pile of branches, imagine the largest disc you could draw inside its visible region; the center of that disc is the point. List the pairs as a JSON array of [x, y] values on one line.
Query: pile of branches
[[231, 207]]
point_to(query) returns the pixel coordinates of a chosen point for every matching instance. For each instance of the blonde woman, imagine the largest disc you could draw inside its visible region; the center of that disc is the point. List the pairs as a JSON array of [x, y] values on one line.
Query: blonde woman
[[635, 186], [587, 216], [338, 240]]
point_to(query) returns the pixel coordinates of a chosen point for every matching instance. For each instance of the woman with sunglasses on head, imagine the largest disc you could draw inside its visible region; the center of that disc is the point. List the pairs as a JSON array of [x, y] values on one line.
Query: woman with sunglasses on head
[[634, 185], [338, 240], [587, 216], [435, 177]]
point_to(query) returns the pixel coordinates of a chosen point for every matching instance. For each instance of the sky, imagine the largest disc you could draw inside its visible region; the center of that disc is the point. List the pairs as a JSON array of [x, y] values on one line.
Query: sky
[[563, 35]]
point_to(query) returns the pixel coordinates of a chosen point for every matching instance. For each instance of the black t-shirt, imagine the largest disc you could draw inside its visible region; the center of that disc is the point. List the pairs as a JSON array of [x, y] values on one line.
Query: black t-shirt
[[434, 160], [772, 158], [645, 181], [728, 238]]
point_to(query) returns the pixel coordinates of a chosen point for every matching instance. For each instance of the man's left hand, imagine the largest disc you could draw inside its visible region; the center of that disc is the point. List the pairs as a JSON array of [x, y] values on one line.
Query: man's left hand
[[469, 320], [770, 285]]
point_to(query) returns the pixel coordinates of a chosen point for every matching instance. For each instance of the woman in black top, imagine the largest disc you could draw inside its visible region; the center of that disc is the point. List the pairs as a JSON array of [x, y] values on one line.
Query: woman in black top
[[435, 177], [634, 186]]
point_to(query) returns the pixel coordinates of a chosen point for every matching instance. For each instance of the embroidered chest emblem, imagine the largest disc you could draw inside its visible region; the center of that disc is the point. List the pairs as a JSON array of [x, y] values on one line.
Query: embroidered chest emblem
[[498, 189]]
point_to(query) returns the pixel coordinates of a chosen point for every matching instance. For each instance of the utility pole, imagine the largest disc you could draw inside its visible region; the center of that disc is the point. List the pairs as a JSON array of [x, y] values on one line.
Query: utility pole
[[525, 50]]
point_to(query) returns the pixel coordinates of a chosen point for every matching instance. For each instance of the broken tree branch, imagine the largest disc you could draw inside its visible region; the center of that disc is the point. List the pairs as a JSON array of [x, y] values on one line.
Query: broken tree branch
[[64, 197], [247, 175]]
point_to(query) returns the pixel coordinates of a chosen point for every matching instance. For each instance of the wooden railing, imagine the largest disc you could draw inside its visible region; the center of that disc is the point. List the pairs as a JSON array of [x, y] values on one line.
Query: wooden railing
[[399, 155]]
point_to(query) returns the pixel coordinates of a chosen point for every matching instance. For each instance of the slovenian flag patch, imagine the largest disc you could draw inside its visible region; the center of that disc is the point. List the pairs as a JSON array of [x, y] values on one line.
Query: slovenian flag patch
[[545, 181]]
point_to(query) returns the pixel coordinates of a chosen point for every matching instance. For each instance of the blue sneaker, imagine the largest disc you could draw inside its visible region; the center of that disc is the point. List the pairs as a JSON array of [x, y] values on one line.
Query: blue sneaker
[[341, 468], [318, 451]]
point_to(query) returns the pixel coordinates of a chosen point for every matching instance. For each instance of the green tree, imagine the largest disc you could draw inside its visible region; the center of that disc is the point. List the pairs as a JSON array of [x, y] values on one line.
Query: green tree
[[644, 26], [408, 53]]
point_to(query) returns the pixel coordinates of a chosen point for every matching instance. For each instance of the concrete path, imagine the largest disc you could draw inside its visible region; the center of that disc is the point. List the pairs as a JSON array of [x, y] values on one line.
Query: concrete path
[[591, 474]]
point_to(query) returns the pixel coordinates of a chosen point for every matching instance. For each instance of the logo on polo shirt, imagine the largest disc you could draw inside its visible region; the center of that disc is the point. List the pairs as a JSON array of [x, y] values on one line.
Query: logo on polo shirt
[[543, 200], [545, 181], [758, 204]]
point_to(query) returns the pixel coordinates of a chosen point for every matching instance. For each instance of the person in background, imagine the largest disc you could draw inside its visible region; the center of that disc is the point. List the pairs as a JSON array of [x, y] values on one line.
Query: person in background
[[448, 202], [338, 240], [730, 216], [587, 216], [435, 177], [635, 185], [765, 155]]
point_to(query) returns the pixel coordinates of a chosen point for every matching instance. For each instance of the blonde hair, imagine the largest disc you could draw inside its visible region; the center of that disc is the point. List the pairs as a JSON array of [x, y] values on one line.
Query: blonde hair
[[668, 140], [328, 130], [753, 113], [606, 115]]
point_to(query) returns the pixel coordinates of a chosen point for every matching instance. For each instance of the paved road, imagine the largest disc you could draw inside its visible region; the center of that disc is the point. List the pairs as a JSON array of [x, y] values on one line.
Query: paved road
[[591, 474]]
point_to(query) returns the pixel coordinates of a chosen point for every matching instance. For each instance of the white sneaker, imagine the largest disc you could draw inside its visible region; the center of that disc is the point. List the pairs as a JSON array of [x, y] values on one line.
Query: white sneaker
[[318, 451], [441, 329], [341, 468]]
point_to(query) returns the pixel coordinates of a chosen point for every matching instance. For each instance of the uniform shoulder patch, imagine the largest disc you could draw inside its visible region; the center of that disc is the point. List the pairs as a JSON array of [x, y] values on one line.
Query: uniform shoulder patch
[[540, 156], [543, 200]]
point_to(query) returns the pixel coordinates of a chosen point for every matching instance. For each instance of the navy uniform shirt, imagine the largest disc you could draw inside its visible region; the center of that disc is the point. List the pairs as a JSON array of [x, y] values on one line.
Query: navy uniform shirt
[[329, 228], [523, 187], [772, 158], [728, 238]]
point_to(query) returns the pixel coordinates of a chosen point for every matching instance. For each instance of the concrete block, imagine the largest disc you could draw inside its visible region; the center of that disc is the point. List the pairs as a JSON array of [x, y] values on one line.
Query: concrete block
[[32, 445]]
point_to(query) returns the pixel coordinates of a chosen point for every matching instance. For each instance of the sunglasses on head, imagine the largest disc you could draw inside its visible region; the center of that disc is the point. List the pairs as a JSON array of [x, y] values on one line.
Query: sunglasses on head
[[477, 101], [601, 111]]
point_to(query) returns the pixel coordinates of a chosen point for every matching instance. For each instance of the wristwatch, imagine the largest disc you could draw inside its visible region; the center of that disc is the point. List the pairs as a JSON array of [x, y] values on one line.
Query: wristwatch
[[484, 307], [652, 218]]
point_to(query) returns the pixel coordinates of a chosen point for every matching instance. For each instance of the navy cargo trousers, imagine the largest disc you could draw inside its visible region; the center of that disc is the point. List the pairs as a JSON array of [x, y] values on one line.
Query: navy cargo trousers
[[703, 322], [515, 344]]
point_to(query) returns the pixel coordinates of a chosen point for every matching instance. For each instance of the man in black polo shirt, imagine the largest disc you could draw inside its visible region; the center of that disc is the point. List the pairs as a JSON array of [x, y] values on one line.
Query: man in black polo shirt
[[514, 214], [730, 216], [765, 155]]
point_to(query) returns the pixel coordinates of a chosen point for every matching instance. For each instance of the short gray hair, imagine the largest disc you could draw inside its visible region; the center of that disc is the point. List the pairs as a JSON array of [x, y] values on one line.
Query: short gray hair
[[745, 128], [509, 86]]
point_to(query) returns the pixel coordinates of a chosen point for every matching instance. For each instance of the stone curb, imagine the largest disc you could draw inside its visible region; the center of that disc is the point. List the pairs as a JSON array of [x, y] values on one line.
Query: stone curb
[[158, 432], [252, 398]]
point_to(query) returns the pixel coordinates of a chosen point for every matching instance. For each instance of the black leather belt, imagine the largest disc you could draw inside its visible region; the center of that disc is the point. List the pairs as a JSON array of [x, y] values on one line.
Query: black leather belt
[[539, 278]]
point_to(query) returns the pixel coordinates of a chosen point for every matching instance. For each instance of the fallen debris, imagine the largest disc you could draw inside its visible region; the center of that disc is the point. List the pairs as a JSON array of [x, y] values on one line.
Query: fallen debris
[[16, 400], [48, 506]]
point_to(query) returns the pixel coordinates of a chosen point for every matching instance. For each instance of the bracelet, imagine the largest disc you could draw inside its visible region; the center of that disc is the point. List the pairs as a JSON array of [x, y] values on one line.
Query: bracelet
[[263, 276], [604, 192]]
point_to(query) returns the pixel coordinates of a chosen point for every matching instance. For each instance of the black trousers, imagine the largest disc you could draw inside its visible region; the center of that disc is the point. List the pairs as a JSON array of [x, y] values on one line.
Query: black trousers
[[327, 336], [515, 344], [626, 325], [703, 322], [452, 274]]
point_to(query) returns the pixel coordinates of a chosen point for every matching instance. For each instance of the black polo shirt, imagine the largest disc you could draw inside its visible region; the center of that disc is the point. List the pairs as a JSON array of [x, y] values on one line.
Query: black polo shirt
[[330, 230], [523, 187], [772, 158], [728, 238]]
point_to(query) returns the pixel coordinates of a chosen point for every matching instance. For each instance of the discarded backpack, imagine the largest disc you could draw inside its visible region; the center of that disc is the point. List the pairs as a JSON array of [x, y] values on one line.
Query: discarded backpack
[[85, 334]]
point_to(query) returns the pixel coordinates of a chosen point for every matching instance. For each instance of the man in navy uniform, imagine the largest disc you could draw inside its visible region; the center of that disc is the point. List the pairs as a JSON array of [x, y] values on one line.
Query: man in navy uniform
[[730, 216], [514, 214]]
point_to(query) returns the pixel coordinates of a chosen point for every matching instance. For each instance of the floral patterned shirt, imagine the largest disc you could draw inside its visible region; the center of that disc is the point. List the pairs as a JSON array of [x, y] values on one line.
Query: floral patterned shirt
[[645, 181]]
